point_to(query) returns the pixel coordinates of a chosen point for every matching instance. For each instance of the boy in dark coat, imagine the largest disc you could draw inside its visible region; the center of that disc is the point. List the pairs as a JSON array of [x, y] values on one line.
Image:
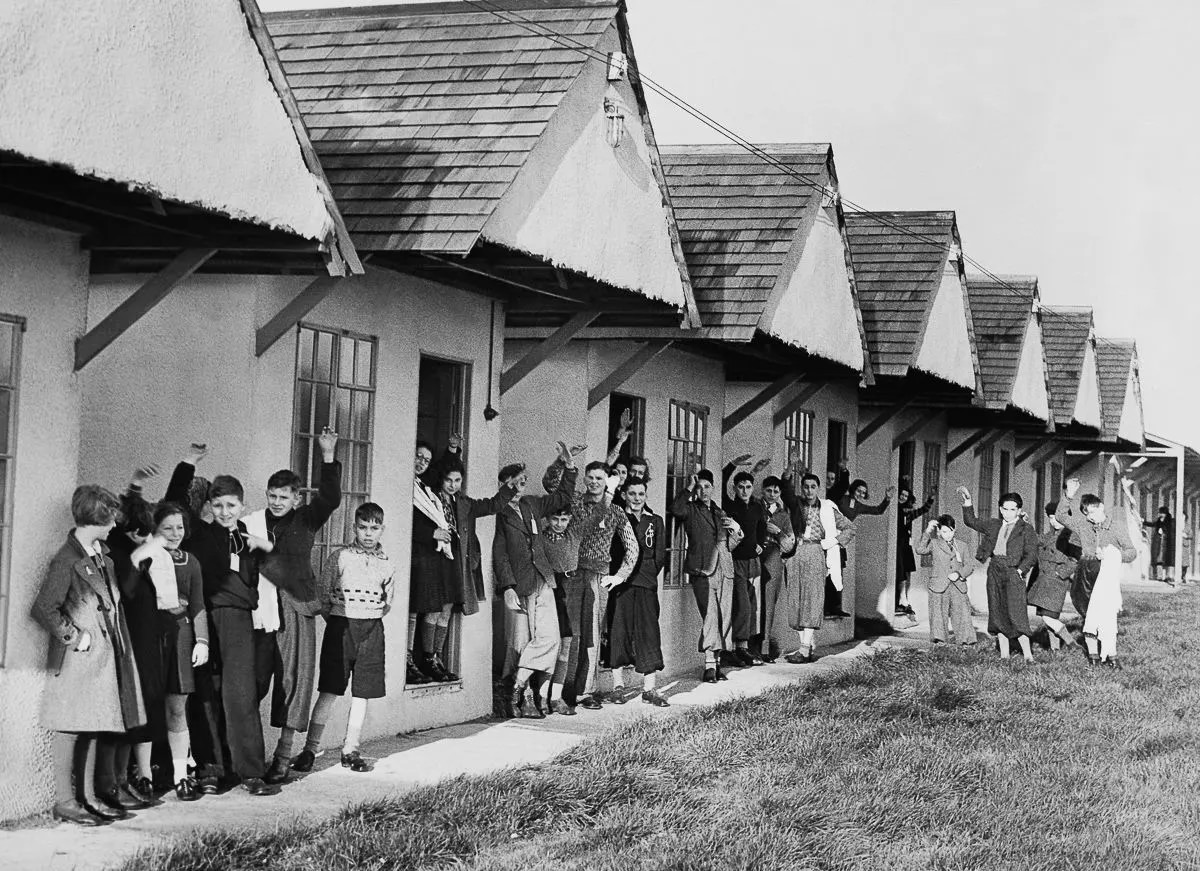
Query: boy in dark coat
[[749, 514]]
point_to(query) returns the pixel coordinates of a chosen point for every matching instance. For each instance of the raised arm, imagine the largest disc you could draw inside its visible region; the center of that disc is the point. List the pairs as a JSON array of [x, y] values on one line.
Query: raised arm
[[681, 505], [971, 520], [491, 505], [881, 508], [329, 492], [925, 545]]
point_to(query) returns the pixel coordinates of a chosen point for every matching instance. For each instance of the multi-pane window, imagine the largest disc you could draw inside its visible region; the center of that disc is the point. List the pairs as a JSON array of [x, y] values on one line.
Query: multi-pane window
[[908, 455], [932, 478], [687, 433], [987, 475], [10, 357], [1005, 471], [798, 443], [335, 387]]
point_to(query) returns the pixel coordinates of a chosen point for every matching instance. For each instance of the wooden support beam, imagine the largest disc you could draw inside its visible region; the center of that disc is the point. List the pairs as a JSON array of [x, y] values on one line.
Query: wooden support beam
[[962, 447], [994, 437], [515, 373], [1044, 456], [292, 313], [917, 425], [143, 299], [1029, 452], [639, 358], [879, 422], [758, 400], [809, 392], [462, 267], [1079, 463], [675, 334]]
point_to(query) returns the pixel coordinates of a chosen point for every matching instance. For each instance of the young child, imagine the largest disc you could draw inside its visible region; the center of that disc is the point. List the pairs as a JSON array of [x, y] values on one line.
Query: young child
[[952, 565], [229, 558], [92, 686], [356, 588]]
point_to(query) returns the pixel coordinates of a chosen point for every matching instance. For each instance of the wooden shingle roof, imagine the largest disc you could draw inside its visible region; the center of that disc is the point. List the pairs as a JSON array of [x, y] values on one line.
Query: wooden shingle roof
[[898, 262], [1114, 358], [738, 217], [1000, 311], [423, 114], [1066, 331]]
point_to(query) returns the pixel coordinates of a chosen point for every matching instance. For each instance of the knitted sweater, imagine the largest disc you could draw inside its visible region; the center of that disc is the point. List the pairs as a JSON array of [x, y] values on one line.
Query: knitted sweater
[[357, 583]]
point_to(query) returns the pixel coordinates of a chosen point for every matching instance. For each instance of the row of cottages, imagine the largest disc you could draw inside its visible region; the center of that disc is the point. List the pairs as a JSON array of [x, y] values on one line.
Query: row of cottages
[[150, 217], [413, 221]]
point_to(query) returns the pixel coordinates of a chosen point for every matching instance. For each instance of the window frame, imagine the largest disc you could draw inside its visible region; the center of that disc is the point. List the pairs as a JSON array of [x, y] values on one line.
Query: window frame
[[352, 496], [691, 413], [18, 326], [796, 448], [931, 474], [841, 443], [1005, 471], [987, 481], [636, 446]]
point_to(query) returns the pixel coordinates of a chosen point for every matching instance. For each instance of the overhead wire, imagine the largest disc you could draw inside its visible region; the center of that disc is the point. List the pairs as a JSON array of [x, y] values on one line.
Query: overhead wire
[[590, 52]]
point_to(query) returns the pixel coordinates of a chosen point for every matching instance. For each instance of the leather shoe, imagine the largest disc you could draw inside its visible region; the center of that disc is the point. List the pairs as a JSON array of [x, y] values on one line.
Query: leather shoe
[[278, 772], [432, 666], [304, 760], [119, 799], [800, 658], [743, 658], [354, 761], [709, 676], [1111, 663], [558, 706], [413, 676], [616, 697], [256, 786], [721, 674], [209, 784], [104, 811], [74, 812], [186, 790], [141, 790], [650, 697], [591, 703], [518, 700], [768, 658]]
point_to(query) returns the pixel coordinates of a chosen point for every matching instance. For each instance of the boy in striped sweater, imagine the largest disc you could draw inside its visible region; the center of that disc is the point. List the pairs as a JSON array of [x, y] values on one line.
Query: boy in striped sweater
[[356, 590]]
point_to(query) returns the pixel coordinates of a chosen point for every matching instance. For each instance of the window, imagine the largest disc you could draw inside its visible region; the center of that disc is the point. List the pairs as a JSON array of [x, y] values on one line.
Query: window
[[798, 443], [335, 386], [687, 434], [908, 452], [618, 404], [987, 474], [932, 479], [1039, 488], [1056, 481], [11, 329], [1005, 470], [835, 448]]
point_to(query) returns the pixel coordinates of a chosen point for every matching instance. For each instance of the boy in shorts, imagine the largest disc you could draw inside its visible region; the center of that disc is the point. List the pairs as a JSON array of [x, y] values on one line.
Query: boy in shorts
[[356, 590]]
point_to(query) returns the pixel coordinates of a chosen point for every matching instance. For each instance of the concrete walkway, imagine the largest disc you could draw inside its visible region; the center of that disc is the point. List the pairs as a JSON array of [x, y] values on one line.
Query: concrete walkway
[[402, 763]]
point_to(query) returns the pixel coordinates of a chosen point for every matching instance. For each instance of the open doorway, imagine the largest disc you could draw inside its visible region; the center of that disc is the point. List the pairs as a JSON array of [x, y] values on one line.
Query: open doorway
[[442, 398], [618, 404]]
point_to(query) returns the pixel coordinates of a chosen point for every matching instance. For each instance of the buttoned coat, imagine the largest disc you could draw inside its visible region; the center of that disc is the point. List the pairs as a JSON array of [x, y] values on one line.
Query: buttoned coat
[[948, 557], [471, 589], [95, 690], [703, 527], [1022, 547], [519, 557]]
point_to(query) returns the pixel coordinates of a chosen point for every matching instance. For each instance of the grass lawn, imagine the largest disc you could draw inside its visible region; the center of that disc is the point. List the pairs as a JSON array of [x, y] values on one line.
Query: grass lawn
[[946, 760]]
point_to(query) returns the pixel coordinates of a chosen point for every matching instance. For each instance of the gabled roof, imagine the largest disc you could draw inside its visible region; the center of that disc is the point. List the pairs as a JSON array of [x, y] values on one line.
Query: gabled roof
[[757, 248], [424, 114], [1116, 363], [1067, 332], [204, 129], [738, 218], [1003, 311], [900, 260]]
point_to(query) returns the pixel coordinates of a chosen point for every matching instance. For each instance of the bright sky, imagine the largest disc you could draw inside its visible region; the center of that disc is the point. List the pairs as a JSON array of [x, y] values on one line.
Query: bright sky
[[1063, 133]]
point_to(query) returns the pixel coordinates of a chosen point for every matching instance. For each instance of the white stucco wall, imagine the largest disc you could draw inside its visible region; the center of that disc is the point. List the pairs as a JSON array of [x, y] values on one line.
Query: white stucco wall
[[1087, 400], [946, 344], [551, 403], [1029, 388], [759, 436], [43, 279], [188, 372], [587, 206], [815, 311], [171, 97], [1132, 428]]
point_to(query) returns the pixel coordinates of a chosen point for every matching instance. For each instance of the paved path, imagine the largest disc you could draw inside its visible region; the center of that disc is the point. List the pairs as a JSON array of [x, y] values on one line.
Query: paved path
[[403, 762]]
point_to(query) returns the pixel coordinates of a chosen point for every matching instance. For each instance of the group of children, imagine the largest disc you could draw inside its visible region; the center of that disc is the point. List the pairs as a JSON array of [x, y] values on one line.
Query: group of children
[[181, 622]]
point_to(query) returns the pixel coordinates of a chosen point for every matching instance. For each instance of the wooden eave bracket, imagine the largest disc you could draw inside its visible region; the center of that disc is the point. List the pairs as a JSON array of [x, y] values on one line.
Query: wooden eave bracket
[[995, 436], [963, 446], [518, 371], [917, 425], [1081, 462], [809, 392], [141, 301], [1030, 451], [292, 313], [626, 370], [880, 421], [758, 400]]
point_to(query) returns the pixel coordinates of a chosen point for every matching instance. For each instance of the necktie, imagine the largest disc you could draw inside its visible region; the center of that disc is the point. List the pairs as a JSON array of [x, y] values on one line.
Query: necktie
[[1001, 548]]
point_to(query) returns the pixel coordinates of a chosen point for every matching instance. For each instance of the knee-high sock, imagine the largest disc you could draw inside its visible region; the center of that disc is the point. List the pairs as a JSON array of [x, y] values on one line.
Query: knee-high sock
[[85, 768], [105, 755], [1004, 647], [1093, 645], [178, 742], [412, 632], [440, 631], [354, 725], [121, 762], [142, 751], [64, 766], [283, 748], [649, 682], [316, 722]]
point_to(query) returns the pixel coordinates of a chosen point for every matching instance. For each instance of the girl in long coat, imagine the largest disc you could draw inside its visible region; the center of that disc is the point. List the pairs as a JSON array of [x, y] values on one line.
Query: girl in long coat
[[92, 686]]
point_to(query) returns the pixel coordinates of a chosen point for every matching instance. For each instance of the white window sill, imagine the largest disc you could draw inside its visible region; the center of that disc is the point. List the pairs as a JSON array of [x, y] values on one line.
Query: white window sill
[[434, 689]]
